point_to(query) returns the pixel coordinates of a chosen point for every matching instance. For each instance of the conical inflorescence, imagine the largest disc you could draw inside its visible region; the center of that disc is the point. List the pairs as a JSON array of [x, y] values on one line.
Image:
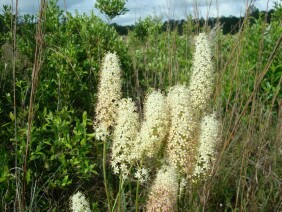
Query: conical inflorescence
[[186, 105], [109, 94], [163, 194], [201, 82], [208, 139], [181, 145], [154, 126], [124, 136]]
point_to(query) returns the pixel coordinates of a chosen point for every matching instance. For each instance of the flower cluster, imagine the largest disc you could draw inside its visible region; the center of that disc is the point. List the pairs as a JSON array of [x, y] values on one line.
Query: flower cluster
[[201, 83], [182, 145], [142, 175], [163, 195], [109, 93], [208, 140], [154, 127], [172, 122], [124, 136], [78, 203]]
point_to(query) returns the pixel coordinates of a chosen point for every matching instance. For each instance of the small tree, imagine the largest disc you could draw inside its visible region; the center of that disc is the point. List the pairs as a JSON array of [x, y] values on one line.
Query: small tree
[[111, 8]]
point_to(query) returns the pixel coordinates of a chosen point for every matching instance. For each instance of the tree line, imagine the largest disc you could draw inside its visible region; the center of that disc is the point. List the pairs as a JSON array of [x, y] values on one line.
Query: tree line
[[229, 24]]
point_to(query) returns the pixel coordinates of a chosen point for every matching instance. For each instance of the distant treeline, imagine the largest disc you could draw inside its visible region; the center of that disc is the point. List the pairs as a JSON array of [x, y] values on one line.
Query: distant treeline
[[229, 24]]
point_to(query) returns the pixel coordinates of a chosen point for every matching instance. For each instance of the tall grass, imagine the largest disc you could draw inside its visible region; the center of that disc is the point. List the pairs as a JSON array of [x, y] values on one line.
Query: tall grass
[[247, 174], [18, 201]]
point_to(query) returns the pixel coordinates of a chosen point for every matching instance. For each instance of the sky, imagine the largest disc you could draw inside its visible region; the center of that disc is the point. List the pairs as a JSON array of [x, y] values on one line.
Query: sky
[[167, 9]]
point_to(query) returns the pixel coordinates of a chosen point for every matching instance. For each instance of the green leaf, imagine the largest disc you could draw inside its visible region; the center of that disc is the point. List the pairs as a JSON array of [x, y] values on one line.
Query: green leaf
[[28, 176], [66, 181], [94, 172], [68, 146], [12, 117], [5, 171], [84, 118], [5, 174], [83, 142], [2, 179], [91, 135]]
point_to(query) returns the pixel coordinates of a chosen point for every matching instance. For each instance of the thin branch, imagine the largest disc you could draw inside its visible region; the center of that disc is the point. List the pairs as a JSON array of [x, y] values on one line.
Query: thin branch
[[35, 74], [14, 33]]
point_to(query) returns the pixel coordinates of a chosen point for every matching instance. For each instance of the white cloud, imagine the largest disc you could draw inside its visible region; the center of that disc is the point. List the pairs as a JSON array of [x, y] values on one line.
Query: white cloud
[[168, 9]]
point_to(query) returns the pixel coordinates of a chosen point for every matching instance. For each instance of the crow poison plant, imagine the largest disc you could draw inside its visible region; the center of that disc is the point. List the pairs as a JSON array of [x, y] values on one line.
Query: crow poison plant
[[176, 119], [201, 82], [208, 140], [109, 93], [181, 146], [154, 127], [124, 136], [186, 107]]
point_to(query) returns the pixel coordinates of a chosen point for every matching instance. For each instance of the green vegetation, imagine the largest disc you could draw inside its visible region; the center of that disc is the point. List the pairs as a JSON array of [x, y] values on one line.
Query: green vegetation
[[49, 75], [111, 8]]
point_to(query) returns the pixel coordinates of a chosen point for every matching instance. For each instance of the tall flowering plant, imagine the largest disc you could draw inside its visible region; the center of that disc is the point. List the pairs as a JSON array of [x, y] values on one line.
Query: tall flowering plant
[[109, 94], [124, 137], [201, 82], [154, 127], [178, 122]]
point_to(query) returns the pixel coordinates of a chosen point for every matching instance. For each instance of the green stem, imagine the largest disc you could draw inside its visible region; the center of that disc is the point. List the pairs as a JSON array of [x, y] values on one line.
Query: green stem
[[118, 198], [105, 174], [137, 197], [119, 191]]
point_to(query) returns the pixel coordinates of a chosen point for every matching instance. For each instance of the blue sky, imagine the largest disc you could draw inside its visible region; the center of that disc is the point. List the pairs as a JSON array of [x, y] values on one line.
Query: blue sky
[[168, 9]]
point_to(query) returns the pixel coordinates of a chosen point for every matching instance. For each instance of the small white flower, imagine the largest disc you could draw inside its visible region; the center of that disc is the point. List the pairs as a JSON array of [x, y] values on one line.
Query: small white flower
[[142, 175], [101, 133], [144, 172], [137, 175]]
